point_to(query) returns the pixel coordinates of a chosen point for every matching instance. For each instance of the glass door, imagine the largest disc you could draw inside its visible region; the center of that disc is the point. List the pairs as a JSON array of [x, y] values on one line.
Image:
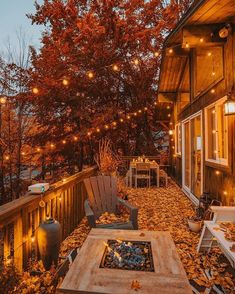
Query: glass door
[[196, 170], [192, 155], [186, 155]]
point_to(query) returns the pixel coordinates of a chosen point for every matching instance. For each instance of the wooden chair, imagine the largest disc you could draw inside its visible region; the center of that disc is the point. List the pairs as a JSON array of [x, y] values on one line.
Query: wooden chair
[[142, 173], [102, 197], [164, 175]]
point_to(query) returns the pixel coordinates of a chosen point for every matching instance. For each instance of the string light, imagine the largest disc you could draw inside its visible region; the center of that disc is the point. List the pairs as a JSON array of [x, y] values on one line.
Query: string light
[[64, 180], [38, 149], [106, 127], [7, 157], [88, 134], [209, 54], [3, 100], [90, 75], [171, 132], [187, 45], [212, 91], [225, 193], [22, 153], [97, 130], [156, 54], [201, 40], [135, 113], [168, 107], [136, 61], [139, 110], [121, 120], [52, 146], [217, 172], [65, 82], [115, 67], [169, 115], [32, 238], [146, 108], [213, 73], [114, 123], [170, 51], [60, 198], [75, 138], [35, 90], [128, 117], [64, 141]]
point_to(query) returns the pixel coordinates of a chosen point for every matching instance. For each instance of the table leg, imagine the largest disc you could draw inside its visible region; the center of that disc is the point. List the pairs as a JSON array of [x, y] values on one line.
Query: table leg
[[130, 176], [158, 176]]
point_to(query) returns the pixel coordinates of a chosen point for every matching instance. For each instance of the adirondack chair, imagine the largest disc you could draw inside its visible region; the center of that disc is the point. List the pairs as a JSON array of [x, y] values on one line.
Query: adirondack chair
[[102, 197]]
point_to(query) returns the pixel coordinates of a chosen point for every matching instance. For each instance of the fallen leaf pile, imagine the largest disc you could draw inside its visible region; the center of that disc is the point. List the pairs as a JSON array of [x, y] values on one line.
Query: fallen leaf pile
[[107, 218]]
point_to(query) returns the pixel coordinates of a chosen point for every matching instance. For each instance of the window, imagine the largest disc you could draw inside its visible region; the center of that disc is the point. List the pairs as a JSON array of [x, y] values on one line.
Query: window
[[209, 68], [216, 133], [178, 139]]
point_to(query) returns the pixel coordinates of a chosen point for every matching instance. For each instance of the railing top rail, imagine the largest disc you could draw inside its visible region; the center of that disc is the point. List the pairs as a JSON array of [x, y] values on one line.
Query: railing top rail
[[11, 209]]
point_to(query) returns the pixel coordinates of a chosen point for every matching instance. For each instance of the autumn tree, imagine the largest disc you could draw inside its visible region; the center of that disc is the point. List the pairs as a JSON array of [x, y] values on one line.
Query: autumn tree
[[99, 60]]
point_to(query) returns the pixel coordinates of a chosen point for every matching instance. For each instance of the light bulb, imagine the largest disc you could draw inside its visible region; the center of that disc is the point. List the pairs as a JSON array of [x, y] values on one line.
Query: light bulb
[[115, 67], [170, 50], [35, 90], [90, 75], [65, 82]]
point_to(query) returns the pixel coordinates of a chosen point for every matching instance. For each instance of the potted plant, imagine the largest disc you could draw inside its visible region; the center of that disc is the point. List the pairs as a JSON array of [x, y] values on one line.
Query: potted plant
[[195, 222]]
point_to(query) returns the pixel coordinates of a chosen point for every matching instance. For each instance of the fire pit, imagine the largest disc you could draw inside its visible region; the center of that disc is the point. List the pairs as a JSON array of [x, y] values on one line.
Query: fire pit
[[128, 255], [126, 262]]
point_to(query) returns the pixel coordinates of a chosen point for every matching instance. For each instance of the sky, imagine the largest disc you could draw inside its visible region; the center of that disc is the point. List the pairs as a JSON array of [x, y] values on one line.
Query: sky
[[13, 18]]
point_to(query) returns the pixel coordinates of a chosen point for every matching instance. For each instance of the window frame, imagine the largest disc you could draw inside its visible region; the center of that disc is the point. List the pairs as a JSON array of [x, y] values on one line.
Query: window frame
[[218, 160], [178, 139]]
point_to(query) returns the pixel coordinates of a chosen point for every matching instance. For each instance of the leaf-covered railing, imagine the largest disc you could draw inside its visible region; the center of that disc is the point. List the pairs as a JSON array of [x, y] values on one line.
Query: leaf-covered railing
[[20, 218]]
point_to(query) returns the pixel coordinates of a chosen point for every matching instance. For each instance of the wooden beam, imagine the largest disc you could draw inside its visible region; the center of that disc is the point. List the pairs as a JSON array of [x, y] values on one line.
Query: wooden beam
[[202, 35], [166, 97], [176, 50]]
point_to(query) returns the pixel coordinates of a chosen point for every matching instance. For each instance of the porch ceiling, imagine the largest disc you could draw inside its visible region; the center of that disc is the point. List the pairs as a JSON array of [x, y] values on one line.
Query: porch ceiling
[[202, 12]]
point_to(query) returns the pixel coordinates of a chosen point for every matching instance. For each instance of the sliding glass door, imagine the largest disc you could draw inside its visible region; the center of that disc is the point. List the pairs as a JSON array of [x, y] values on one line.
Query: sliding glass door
[[192, 155]]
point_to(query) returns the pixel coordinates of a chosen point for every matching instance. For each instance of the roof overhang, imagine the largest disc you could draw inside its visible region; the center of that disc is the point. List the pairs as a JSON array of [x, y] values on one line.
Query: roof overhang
[[198, 27]]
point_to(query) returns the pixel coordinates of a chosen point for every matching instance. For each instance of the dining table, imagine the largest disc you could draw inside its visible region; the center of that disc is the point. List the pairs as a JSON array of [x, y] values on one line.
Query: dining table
[[154, 167]]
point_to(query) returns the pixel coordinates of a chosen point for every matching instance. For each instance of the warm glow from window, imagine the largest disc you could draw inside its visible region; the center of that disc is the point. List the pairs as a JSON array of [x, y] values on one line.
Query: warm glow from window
[[216, 133]]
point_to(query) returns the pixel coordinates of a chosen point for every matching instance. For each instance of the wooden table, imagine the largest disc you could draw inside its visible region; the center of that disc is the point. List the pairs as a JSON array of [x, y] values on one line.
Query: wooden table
[[86, 276], [212, 231], [153, 166]]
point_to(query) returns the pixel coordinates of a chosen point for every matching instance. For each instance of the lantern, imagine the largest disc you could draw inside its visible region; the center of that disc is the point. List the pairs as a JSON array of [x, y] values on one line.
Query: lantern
[[229, 105], [49, 237]]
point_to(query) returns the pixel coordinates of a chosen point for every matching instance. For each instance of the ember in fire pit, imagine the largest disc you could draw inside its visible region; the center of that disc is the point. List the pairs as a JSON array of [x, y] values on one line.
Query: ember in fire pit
[[128, 255]]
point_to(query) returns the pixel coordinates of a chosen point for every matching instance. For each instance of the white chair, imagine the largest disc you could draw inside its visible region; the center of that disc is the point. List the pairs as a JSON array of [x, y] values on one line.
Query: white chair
[[142, 173]]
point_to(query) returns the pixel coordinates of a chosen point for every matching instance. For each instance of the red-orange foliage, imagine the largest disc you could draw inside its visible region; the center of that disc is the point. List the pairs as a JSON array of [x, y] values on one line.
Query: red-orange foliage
[[94, 36]]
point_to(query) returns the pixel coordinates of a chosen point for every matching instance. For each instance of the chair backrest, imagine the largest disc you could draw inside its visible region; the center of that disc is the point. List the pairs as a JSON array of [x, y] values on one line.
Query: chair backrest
[[142, 167], [102, 194]]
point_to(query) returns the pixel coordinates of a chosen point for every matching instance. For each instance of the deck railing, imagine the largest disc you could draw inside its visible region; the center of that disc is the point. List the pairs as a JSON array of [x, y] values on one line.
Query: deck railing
[[20, 218]]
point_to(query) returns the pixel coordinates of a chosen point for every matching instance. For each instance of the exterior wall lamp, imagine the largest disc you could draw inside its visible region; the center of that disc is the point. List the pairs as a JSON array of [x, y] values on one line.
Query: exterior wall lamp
[[229, 105]]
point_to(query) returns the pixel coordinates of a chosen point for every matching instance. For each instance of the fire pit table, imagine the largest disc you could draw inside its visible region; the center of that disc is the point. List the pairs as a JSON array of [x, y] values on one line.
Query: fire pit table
[[123, 262]]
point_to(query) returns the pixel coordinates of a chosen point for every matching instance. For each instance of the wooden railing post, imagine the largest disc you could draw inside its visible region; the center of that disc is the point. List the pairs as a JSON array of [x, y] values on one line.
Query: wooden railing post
[[18, 240]]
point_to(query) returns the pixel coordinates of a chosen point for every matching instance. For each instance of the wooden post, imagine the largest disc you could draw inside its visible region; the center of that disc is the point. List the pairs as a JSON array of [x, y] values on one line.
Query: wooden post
[[18, 243]]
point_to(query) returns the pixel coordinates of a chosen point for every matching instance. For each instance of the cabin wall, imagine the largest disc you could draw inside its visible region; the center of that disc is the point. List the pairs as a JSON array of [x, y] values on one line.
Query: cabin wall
[[219, 181]]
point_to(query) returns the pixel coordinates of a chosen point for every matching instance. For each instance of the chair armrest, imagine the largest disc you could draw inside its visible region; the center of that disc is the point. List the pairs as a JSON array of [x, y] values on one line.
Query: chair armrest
[[125, 203], [133, 212], [89, 214]]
